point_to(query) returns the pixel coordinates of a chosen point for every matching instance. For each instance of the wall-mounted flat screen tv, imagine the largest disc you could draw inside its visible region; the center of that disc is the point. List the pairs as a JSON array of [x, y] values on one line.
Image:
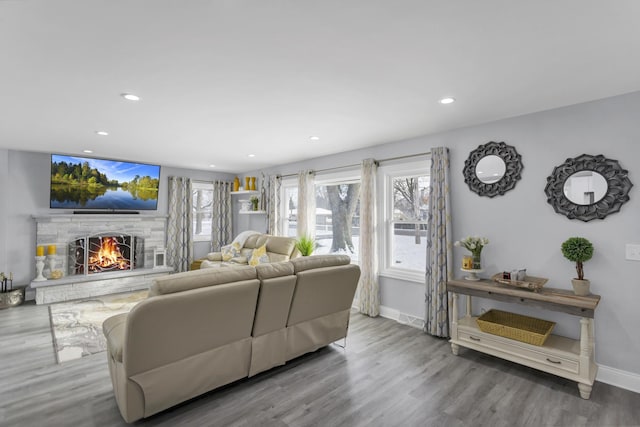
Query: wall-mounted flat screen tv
[[102, 184]]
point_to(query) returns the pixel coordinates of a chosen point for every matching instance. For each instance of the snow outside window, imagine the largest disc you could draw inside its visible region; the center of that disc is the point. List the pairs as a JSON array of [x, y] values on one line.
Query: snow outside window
[[202, 210], [289, 208]]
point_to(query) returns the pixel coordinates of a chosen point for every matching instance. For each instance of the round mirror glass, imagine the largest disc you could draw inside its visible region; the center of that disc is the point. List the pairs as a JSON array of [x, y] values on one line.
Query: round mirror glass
[[585, 187], [490, 169]]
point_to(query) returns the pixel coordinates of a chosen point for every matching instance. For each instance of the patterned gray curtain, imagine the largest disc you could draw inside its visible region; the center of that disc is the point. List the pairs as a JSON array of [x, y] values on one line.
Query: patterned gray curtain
[[273, 205], [369, 290], [439, 247], [222, 226], [180, 224]]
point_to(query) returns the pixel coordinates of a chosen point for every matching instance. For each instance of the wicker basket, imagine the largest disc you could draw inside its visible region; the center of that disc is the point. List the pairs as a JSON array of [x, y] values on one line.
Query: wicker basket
[[515, 326]]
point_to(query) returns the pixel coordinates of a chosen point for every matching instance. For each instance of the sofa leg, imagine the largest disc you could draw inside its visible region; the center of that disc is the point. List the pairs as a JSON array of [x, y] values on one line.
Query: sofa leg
[[343, 345]]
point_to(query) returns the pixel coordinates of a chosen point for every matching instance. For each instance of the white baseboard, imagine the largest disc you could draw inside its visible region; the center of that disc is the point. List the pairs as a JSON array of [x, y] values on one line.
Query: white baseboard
[[405, 319], [618, 378], [612, 376]]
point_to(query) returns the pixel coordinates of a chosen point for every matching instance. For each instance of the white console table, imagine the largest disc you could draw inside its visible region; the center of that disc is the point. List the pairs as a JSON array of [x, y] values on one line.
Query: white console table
[[565, 357]]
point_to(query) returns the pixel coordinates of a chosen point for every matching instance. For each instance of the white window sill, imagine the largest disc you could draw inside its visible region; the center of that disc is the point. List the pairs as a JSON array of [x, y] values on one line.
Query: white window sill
[[403, 275]]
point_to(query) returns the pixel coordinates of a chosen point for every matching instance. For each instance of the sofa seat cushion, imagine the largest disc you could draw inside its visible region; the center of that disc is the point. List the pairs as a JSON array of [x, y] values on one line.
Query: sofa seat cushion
[[113, 329]]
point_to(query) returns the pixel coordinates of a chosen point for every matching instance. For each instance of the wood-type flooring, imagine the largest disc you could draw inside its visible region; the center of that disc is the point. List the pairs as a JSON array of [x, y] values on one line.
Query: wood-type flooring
[[388, 375]]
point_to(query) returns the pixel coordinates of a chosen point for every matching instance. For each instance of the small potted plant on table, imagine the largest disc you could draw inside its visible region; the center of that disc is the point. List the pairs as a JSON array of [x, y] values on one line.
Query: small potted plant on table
[[578, 250]]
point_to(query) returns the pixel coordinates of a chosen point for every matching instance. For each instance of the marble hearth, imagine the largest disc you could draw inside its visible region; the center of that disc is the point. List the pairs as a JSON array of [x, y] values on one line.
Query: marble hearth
[[59, 230]]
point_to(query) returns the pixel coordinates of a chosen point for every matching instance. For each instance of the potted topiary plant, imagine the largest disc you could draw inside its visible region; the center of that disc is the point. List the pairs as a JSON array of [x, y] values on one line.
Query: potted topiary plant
[[578, 250], [306, 245]]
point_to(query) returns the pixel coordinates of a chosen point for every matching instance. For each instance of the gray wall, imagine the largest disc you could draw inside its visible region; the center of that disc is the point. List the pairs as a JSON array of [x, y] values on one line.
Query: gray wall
[[24, 192], [524, 229]]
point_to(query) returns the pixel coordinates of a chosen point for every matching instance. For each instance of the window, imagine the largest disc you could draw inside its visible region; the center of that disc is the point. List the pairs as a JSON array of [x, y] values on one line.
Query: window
[[338, 214], [289, 208], [406, 199], [202, 210]]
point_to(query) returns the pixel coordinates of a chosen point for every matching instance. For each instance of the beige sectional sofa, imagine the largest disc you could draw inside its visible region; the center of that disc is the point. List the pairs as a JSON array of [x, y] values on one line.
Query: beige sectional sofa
[[202, 329], [277, 249]]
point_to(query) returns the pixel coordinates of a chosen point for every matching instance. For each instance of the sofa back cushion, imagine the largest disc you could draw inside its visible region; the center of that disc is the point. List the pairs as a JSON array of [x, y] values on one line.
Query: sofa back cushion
[[195, 279], [323, 291], [168, 328], [319, 261], [255, 241], [277, 283]]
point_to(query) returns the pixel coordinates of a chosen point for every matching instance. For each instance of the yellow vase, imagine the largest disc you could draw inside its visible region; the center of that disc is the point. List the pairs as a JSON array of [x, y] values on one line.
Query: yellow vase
[[247, 185], [236, 184], [253, 183]]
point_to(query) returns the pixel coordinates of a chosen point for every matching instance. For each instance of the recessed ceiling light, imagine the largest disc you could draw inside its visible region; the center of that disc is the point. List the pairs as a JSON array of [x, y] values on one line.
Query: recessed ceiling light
[[102, 133], [314, 138], [130, 97], [447, 100], [252, 155], [87, 151], [212, 166]]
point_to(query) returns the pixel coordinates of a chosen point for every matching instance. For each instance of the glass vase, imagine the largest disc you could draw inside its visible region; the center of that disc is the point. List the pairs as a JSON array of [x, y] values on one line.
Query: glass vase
[[477, 261]]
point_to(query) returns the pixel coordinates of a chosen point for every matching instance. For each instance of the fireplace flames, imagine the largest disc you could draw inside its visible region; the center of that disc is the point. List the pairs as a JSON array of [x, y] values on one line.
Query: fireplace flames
[[105, 255]]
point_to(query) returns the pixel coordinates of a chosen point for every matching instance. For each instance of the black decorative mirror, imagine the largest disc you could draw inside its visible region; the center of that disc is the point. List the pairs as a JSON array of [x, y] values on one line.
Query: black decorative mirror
[[588, 187], [492, 169]]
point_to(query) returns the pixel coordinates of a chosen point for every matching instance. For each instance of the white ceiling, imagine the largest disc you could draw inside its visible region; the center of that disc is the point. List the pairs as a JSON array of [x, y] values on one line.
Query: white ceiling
[[223, 79]]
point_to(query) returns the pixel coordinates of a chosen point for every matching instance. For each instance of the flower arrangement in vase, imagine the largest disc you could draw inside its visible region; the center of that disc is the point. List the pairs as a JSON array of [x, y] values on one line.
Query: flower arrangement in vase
[[474, 244]]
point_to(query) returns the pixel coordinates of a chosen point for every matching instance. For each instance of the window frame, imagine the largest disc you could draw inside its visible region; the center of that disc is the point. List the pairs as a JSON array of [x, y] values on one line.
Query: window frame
[[200, 186], [386, 175]]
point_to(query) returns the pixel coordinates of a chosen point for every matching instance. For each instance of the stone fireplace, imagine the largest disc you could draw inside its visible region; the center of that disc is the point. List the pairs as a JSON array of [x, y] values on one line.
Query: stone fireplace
[[97, 254]]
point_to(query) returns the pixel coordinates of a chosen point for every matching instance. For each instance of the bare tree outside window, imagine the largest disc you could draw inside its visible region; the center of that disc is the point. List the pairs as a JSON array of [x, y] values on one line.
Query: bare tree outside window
[[337, 218], [408, 222]]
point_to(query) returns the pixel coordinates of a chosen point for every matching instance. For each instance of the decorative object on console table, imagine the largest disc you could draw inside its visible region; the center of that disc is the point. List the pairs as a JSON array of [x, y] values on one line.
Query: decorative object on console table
[[474, 244], [578, 250], [467, 262], [528, 282], [515, 326]]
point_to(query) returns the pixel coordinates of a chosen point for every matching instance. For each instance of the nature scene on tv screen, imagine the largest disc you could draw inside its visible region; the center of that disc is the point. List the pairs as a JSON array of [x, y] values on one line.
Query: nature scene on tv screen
[[86, 183]]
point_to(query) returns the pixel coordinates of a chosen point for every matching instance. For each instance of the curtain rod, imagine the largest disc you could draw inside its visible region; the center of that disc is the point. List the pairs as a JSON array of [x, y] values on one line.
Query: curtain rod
[[408, 156]]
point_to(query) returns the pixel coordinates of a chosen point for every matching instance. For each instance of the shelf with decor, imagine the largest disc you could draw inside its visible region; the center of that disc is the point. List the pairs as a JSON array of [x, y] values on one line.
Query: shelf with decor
[[252, 212], [245, 192], [565, 357]]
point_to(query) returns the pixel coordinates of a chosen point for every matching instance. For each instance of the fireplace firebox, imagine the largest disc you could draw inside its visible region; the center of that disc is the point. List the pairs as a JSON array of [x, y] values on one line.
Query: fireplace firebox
[[104, 253]]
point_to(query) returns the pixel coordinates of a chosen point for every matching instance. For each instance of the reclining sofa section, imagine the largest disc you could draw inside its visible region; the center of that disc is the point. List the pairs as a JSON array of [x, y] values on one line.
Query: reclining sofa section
[[202, 329]]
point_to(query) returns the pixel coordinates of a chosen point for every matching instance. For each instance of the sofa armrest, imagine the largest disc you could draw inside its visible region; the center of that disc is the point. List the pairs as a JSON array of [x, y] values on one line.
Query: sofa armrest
[[214, 256], [113, 329]]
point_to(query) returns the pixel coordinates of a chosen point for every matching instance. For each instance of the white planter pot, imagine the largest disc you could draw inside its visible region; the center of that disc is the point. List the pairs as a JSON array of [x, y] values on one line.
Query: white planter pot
[[581, 287]]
